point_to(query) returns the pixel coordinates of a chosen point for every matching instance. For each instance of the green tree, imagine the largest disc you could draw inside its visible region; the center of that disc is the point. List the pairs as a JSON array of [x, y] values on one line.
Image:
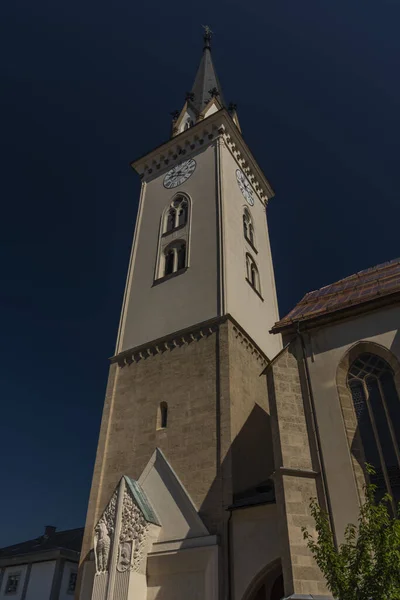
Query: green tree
[[366, 566]]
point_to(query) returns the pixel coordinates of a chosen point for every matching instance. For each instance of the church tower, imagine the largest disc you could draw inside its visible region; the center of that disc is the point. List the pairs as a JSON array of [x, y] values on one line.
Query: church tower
[[185, 435]]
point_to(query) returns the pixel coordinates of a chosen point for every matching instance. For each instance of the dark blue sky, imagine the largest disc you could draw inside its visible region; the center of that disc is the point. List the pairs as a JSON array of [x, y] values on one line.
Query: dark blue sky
[[88, 86]]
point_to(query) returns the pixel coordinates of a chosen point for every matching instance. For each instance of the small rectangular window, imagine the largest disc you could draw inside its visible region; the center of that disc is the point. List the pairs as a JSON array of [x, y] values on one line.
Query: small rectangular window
[[12, 583], [72, 582]]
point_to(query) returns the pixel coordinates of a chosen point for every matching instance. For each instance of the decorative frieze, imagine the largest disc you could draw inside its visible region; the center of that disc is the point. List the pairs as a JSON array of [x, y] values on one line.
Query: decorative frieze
[[249, 346], [159, 347], [217, 126]]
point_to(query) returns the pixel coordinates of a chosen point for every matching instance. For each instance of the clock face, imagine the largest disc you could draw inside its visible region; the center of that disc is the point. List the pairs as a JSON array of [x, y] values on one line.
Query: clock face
[[245, 186], [179, 174]]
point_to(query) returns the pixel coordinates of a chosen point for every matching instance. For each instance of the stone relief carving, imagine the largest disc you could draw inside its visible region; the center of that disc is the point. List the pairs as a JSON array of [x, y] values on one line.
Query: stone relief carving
[[133, 534], [103, 534], [124, 556]]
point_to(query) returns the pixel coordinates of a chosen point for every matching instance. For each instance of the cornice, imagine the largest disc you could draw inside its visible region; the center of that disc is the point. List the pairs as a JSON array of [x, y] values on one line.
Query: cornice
[[250, 345], [166, 344], [186, 337], [204, 132]]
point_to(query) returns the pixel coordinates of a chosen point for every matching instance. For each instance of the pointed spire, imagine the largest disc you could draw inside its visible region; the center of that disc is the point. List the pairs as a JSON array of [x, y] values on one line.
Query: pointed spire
[[206, 84]]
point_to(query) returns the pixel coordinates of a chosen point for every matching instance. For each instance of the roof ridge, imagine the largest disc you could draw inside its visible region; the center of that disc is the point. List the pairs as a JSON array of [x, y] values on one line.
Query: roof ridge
[[360, 288], [356, 275]]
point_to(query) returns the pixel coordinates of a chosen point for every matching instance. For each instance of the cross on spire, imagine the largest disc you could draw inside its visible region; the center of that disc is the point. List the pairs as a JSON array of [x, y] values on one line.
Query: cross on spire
[[206, 84]]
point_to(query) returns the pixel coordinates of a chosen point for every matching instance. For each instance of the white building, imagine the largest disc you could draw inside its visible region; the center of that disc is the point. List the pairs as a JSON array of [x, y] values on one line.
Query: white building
[[44, 568]]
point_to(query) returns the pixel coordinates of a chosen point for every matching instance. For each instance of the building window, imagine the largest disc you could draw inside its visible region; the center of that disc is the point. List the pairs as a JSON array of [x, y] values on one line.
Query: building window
[[12, 583], [162, 416], [377, 407], [248, 227], [174, 258], [252, 274], [72, 582], [177, 214], [169, 261]]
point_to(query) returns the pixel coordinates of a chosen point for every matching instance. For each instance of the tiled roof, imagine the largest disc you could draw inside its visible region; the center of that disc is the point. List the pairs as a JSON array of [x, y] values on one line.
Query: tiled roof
[[363, 287], [70, 539]]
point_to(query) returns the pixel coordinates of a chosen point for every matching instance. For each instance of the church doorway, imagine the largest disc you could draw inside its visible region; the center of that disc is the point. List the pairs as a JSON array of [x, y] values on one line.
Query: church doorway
[[270, 589]]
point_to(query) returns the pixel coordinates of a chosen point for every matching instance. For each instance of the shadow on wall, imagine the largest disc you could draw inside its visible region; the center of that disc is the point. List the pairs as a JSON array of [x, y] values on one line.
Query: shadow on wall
[[243, 473], [247, 466]]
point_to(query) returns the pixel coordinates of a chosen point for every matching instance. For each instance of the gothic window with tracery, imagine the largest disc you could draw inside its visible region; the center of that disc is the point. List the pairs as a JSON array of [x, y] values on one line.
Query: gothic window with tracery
[[252, 274], [177, 214], [248, 227], [174, 257], [377, 408]]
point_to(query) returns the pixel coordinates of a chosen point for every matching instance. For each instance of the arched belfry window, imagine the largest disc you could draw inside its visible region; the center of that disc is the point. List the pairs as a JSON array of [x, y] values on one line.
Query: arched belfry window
[[174, 237], [176, 215], [248, 227], [377, 407], [252, 274], [174, 257]]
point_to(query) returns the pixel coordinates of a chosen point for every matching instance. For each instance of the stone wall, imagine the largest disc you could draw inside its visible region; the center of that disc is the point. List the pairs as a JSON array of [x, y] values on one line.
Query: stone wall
[[296, 479], [218, 437]]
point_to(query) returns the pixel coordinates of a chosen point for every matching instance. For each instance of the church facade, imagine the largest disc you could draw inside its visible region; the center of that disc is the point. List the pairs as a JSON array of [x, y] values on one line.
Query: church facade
[[221, 421]]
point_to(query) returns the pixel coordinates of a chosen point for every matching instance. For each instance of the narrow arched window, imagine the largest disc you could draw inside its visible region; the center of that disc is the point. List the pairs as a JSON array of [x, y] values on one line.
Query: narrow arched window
[[177, 214], [181, 256], [171, 217], [245, 226], [251, 234], [169, 261], [377, 408], [248, 227], [252, 274], [182, 213], [174, 257], [162, 415]]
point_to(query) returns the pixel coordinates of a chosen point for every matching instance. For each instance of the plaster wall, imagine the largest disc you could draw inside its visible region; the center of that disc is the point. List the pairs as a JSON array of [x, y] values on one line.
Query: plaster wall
[[69, 567], [255, 315], [87, 581], [22, 569], [153, 311], [173, 507], [40, 581], [255, 544], [326, 348], [184, 574]]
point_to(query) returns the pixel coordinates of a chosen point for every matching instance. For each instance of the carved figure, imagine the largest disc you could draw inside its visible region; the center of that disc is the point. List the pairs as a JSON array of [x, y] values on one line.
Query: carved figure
[[103, 543], [124, 556]]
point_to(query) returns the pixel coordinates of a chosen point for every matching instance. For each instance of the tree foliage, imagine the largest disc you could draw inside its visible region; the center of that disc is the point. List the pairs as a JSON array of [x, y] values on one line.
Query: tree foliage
[[366, 566]]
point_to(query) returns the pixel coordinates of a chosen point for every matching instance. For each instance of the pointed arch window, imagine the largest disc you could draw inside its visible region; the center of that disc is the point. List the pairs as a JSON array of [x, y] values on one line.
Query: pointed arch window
[[252, 275], [176, 215], [377, 408], [248, 228], [174, 258]]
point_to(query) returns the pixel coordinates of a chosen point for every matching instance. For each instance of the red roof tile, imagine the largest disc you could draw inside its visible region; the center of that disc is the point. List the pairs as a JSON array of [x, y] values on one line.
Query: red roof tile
[[357, 289]]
